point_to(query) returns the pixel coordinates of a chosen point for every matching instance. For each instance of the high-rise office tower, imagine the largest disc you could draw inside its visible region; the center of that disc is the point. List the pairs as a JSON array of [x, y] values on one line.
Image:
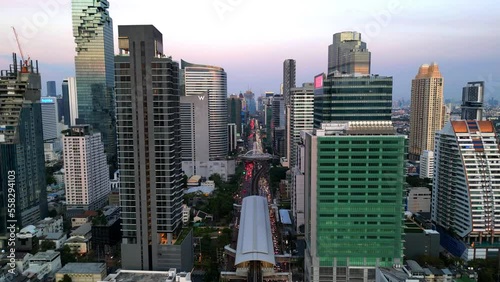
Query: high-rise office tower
[[195, 141], [288, 78], [49, 118], [472, 101], [301, 116], [426, 116], [353, 200], [70, 100], [232, 137], [86, 173], [348, 54], [93, 32], [427, 164], [22, 164], [149, 153], [234, 111], [210, 81], [466, 187], [278, 105], [51, 89], [251, 105], [352, 98]]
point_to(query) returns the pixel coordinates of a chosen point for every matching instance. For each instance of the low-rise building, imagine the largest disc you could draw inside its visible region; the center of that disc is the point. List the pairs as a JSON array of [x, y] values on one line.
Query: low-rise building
[[80, 239], [148, 276], [83, 272], [419, 200], [58, 238], [43, 264]]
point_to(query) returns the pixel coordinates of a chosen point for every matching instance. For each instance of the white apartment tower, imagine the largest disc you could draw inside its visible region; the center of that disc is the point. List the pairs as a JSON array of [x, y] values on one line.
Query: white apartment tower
[[466, 188], [427, 164], [86, 174]]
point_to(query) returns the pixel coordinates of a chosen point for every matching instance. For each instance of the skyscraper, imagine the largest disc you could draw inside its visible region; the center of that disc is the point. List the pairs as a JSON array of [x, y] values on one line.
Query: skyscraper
[[93, 32], [49, 118], [86, 174], [234, 111], [70, 100], [278, 118], [426, 116], [210, 81], [232, 137], [301, 116], [288, 78], [51, 89], [353, 200], [427, 164], [195, 141], [348, 54], [22, 164], [148, 123], [466, 188], [472, 101], [348, 97]]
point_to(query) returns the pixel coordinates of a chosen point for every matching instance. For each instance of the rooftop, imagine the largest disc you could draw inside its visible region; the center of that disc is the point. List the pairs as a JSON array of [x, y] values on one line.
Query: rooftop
[[45, 256], [137, 275], [83, 268], [82, 230]]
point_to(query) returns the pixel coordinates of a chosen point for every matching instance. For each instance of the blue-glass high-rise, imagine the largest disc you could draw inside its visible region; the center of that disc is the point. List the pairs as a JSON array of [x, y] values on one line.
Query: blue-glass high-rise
[[94, 65]]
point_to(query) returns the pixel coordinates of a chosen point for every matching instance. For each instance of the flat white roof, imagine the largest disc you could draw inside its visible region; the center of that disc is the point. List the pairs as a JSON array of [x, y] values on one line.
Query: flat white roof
[[254, 237]]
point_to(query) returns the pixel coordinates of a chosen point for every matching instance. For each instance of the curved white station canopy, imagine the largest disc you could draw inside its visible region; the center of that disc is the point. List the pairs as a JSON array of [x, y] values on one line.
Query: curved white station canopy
[[254, 237]]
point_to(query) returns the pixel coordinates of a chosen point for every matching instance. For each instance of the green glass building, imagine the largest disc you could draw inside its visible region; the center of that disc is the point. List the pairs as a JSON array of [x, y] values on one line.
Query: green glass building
[[354, 174], [349, 97], [94, 66]]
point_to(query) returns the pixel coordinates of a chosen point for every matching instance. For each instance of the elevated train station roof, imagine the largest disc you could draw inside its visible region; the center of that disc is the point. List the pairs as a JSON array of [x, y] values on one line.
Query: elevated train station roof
[[255, 241]]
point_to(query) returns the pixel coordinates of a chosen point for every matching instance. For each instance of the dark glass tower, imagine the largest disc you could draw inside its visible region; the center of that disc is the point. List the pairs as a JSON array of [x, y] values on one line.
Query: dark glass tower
[[51, 89], [352, 98], [93, 32], [21, 147], [65, 99], [288, 78], [149, 153]]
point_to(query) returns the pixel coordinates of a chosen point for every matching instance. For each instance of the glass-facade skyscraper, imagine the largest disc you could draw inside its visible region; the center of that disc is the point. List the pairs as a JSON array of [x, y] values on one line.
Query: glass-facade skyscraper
[[344, 97], [93, 32], [288, 78], [348, 54], [210, 82], [22, 161]]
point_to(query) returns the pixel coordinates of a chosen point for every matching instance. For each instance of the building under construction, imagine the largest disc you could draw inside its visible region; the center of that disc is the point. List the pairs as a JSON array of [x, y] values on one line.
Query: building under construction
[[23, 196]]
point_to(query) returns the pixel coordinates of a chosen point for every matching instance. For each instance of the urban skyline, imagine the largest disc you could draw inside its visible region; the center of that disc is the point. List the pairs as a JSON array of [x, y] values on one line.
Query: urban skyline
[[397, 33]]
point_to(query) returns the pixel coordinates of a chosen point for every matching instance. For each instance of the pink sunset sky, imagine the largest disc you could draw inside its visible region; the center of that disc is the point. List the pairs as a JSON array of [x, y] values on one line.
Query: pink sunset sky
[[250, 39]]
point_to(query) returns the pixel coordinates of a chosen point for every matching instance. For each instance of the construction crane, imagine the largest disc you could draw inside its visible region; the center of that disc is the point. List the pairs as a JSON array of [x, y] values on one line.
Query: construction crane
[[25, 64]]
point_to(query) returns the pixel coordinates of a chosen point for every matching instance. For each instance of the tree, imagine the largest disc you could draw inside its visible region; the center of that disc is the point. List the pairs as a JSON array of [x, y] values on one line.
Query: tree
[[47, 245], [66, 278], [67, 255], [217, 179], [53, 213]]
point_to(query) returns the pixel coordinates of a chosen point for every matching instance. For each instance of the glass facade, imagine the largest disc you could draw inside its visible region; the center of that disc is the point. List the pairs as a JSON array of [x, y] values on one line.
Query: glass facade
[[202, 80], [360, 200], [353, 98], [93, 32], [353, 201]]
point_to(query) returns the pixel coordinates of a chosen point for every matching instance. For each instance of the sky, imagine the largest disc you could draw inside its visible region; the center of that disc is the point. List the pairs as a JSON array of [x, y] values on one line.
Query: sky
[[250, 39]]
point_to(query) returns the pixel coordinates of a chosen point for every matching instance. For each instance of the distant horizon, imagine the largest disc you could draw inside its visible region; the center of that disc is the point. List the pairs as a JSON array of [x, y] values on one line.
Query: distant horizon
[[400, 34]]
